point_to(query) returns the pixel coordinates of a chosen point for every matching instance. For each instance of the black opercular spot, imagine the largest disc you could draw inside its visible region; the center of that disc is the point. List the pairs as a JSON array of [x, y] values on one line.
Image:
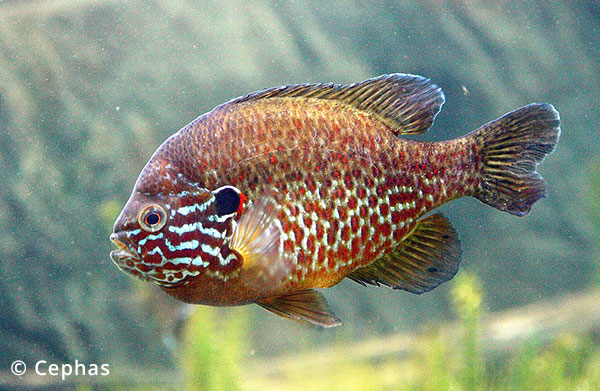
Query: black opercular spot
[[227, 201], [433, 270]]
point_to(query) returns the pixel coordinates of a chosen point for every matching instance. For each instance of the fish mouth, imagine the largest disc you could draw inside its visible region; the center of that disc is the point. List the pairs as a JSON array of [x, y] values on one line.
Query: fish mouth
[[124, 257]]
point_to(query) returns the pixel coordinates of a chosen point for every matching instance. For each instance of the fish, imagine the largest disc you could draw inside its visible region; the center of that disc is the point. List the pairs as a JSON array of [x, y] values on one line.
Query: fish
[[275, 194]]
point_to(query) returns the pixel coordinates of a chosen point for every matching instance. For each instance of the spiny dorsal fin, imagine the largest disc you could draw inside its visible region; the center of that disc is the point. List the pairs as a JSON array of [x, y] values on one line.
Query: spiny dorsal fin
[[307, 306], [407, 104], [428, 257]]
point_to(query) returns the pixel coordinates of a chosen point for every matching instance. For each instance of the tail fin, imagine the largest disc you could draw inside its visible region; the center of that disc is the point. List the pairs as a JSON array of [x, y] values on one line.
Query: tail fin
[[511, 148]]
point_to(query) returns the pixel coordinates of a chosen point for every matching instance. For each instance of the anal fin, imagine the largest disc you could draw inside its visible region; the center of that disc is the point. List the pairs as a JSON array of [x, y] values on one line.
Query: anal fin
[[307, 306], [429, 256]]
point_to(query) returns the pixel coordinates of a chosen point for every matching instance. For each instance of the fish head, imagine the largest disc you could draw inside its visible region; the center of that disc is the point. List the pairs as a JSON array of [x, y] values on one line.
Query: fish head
[[171, 237]]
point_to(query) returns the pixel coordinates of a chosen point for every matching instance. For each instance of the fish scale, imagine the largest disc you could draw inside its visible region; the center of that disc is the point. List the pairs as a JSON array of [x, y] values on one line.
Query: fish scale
[[293, 188], [306, 184], [275, 150], [383, 192]]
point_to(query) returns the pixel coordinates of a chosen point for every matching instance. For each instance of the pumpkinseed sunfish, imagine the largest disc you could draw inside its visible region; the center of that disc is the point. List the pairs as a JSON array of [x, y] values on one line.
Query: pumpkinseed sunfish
[[281, 191]]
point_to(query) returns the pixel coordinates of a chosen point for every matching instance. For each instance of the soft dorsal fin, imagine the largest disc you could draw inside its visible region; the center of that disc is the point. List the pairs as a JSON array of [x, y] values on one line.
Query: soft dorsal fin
[[407, 104], [308, 306], [428, 257]]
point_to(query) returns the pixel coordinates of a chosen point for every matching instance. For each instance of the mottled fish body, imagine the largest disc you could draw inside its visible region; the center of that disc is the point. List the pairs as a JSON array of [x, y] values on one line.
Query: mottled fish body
[[293, 188]]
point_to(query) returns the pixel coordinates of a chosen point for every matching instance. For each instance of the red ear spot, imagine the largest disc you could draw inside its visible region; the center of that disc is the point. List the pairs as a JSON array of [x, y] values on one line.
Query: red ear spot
[[243, 200]]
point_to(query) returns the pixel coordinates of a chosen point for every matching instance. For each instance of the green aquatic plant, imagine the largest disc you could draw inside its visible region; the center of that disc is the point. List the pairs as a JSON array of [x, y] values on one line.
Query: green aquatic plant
[[453, 358], [569, 362], [467, 296], [437, 369], [213, 348]]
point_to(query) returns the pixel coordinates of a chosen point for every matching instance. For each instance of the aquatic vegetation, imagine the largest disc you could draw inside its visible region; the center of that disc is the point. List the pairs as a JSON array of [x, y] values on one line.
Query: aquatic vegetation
[[467, 296], [213, 348], [453, 358]]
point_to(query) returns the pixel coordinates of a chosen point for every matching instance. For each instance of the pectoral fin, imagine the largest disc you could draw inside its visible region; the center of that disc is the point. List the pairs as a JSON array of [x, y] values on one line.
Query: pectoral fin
[[428, 257], [307, 306], [257, 239]]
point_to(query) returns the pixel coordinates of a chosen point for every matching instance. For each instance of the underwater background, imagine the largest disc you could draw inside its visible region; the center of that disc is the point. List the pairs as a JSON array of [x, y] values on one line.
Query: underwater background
[[90, 88]]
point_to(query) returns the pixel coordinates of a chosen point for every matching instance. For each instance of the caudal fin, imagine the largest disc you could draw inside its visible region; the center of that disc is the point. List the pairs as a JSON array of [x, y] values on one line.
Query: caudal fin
[[511, 148]]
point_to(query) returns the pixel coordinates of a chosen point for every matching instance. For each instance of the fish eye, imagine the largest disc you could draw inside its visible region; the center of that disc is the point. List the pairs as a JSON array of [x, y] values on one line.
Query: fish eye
[[152, 218], [227, 200]]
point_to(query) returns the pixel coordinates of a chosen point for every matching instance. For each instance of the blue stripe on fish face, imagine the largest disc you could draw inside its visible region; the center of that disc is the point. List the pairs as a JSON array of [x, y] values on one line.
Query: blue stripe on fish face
[[197, 226], [142, 242], [191, 240], [191, 245], [186, 260], [186, 210], [185, 228], [188, 245], [210, 250]]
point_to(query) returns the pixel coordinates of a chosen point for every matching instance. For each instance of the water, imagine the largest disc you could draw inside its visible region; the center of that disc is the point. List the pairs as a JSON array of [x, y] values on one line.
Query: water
[[89, 89]]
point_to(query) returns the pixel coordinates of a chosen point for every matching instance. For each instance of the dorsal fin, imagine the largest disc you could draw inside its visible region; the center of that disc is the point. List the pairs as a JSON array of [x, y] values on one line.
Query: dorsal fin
[[428, 257], [407, 104]]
